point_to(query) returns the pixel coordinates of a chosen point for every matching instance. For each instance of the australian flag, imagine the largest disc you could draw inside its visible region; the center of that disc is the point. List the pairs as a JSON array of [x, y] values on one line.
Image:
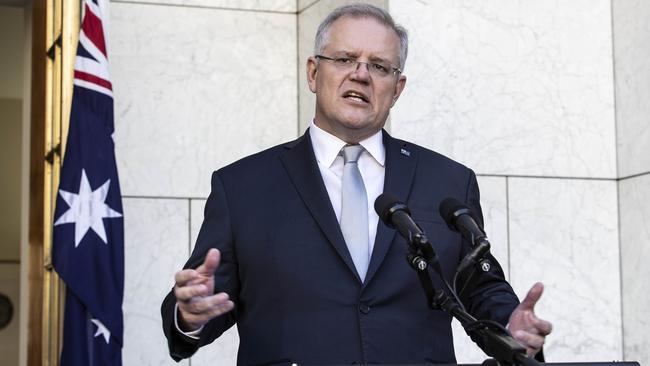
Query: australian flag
[[88, 237]]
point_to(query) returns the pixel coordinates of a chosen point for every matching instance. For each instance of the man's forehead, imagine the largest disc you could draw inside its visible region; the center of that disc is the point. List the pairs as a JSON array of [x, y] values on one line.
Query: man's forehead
[[362, 35]]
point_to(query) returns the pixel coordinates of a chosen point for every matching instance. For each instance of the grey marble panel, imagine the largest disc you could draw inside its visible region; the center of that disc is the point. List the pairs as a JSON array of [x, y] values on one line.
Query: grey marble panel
[[494, 203], [634, 205], [519, 88], [564, 233], [302, 4], [308, 21], [196, 89], [196, 218], [286, 6], [156, 247], [631, 22], [222, 351]]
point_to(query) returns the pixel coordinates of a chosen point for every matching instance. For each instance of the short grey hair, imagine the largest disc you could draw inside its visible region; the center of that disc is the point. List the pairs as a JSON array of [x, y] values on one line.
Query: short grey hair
[[362, 11]]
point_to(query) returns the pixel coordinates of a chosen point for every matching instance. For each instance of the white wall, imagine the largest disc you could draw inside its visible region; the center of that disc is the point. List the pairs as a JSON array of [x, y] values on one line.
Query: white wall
[[198, 85], [631, 24], [522, 92]]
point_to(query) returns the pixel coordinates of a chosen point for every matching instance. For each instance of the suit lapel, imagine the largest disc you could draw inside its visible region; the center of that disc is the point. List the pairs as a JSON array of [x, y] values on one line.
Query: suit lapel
[[401, 162], [300, 163]]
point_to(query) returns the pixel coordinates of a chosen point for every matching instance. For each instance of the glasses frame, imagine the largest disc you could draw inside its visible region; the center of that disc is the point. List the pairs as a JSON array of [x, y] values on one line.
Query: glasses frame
[[394, 70]]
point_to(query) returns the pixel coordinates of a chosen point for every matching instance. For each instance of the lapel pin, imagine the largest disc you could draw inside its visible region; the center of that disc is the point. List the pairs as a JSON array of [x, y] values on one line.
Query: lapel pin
[[405, 152]]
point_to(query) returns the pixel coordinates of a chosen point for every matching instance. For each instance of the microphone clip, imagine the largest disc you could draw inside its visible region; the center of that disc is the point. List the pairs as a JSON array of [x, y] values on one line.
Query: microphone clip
[[421, 253]]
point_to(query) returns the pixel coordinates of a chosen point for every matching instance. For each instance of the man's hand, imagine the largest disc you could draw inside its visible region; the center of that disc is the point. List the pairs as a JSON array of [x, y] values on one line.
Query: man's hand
[[525, 326], [194, 294]]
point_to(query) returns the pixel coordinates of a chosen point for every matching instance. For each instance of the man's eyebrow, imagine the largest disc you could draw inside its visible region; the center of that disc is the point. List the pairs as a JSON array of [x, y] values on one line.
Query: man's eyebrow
[[346, 53], [355, 55], [379, 59]]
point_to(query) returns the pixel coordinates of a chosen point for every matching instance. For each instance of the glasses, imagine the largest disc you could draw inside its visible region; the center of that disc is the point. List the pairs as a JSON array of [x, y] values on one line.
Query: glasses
[[377, 69]]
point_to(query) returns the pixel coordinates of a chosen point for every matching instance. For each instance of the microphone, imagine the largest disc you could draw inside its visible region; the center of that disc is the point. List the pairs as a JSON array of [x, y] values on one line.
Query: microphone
[[461, 219], [396, 215]]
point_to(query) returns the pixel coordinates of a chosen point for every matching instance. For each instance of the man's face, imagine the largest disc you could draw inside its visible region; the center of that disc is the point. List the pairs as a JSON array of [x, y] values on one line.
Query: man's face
[[354, 104]]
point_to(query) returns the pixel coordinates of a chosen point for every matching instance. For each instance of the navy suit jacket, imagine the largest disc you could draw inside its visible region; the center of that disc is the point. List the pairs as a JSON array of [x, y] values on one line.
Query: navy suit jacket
[[286, 266]]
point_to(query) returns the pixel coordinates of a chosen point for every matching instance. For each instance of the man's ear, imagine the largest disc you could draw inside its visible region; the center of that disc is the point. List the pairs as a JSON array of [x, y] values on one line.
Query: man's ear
[[399, 87], [312, 70]]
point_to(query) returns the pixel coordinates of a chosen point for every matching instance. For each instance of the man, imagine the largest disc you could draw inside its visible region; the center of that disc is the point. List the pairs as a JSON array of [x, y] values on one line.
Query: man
[[292, 251]]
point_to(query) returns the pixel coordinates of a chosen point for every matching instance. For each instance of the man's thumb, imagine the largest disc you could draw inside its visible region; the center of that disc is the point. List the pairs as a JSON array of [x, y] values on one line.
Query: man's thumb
[[532, 296], [210, 263]]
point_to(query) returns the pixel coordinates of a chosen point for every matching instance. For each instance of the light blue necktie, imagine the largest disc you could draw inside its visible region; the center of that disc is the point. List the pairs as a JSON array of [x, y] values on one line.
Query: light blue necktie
[[354, 210]]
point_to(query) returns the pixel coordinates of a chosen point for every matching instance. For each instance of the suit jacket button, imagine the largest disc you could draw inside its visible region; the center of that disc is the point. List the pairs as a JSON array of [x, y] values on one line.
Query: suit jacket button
[[363, 308]]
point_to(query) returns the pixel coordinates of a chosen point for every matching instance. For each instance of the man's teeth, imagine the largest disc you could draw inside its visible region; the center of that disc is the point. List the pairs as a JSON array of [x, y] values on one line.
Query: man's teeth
[[355, 97]]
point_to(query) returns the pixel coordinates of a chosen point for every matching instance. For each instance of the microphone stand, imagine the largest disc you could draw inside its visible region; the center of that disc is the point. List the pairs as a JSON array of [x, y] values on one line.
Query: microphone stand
[[490, 336], [474, 261]]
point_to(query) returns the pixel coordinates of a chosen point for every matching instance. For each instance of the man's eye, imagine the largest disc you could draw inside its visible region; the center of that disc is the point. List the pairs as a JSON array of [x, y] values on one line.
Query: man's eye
[[344, 60], [381, 68]]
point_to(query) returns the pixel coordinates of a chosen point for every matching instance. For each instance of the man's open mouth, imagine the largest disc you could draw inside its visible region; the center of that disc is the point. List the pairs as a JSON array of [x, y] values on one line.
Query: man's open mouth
[[357, 96]]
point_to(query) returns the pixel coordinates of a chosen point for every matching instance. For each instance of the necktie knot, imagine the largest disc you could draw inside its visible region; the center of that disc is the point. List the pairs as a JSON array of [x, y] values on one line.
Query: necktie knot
[[351, 153]]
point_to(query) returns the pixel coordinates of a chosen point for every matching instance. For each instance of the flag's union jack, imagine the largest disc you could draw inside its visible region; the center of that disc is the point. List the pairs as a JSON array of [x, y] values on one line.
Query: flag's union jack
[[91, 64], [88, 232]]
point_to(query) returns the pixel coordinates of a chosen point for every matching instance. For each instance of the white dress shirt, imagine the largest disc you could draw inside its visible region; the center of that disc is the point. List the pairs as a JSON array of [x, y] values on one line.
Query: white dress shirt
[[371, 165]]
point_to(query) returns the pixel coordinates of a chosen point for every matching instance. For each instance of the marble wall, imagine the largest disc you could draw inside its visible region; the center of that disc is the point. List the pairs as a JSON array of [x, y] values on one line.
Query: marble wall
[[522, 92], [634, 196], [516, 89], [631, 24], [544, 100], [190, 96], [198, 85]]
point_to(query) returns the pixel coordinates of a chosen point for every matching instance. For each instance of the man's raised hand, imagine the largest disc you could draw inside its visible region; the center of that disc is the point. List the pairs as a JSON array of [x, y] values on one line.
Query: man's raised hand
[[194, 290], [525, 326]]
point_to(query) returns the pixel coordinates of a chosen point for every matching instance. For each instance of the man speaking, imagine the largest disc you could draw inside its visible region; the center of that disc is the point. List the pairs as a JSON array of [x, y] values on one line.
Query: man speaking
[[292, 251]]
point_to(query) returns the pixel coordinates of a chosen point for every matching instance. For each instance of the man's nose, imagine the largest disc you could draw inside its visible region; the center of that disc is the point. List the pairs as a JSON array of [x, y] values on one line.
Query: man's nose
[[362, 71]]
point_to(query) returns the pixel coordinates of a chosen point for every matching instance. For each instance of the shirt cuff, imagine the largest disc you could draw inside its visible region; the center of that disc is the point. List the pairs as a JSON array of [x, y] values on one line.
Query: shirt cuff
[[193, 334]]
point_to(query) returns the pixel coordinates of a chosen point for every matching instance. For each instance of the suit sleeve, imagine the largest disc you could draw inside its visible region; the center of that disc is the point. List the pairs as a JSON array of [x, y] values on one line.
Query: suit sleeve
[[216, 232], [487, 295]]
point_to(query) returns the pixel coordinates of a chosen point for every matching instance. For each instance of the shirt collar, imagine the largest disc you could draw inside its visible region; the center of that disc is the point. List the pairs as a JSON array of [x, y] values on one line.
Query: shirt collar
[[327, 146]]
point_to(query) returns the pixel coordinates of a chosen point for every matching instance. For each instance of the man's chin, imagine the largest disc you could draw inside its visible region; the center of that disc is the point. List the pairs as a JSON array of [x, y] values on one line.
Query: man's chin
[[361, 129], [357, 122]]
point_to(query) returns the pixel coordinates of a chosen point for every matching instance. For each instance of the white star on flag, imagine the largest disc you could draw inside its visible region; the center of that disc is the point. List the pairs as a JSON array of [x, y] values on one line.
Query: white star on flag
[[87, 209], [101, 330]]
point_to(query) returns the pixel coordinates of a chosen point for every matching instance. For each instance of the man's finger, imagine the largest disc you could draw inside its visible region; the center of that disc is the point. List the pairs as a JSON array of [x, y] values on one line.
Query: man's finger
[[210, 263], [533, 295], [532, 342], [183, 277], [211, 302], [543, 327], [196, 319], [187, 293], [529, 340], [210, 305]]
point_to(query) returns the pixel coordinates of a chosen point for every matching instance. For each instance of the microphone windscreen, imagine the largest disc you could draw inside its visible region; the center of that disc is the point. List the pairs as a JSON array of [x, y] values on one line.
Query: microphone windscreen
[[449, 208], [383, 205]]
